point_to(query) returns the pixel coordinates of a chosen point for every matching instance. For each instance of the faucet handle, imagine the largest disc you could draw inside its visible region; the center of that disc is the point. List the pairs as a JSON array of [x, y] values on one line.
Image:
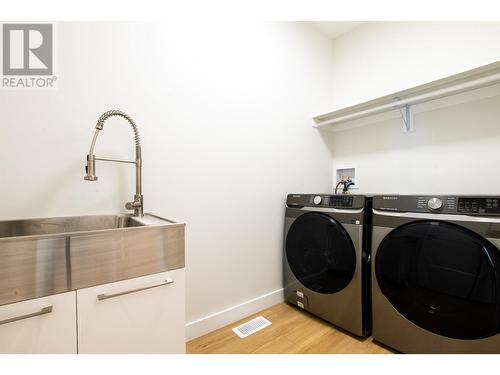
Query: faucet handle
[[133, 205], [136, 205]]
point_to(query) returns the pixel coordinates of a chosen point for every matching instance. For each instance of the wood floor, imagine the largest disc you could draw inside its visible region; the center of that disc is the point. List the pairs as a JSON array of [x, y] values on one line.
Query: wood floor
[[292, 331]]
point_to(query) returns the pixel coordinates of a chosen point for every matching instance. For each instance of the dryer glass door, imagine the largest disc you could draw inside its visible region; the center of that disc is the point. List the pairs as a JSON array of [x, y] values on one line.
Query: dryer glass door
[[320, 253], [442, 277]]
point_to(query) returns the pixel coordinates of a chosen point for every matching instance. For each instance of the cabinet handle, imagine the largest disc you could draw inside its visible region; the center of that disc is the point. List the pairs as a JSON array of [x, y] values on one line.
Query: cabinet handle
[[43, 311], [101, 297]]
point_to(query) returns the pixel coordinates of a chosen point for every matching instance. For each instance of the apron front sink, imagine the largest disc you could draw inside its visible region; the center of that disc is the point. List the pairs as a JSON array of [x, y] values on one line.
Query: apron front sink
[[40, 257]]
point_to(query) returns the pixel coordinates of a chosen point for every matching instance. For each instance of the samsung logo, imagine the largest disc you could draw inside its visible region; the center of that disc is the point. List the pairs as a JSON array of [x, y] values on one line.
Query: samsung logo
[[391, 198]]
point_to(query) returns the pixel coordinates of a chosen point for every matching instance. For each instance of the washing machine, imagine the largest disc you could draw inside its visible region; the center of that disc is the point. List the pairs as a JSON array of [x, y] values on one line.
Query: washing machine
[[326, 258], [436, 273]]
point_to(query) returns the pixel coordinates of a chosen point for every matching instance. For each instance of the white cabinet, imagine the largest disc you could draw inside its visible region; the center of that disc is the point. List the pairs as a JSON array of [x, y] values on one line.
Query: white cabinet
[[141, 315], [41, 325]]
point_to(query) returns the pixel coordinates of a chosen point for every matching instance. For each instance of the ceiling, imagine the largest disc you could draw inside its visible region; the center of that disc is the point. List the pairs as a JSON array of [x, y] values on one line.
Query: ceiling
[[333, 29]]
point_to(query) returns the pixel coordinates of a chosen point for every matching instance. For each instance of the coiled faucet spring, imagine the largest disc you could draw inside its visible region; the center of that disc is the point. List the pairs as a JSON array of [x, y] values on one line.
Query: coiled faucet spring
[[108, 114], [138, 203]]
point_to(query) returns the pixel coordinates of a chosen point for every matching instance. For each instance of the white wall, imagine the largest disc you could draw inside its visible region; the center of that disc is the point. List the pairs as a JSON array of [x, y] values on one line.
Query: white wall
[[454, 148], [380, 58], [224, 113]]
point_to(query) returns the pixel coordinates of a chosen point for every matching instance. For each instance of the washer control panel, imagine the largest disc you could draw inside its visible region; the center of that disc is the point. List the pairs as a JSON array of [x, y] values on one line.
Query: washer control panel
[[337, 201], [341, 201], [326, 200], [470, 205]]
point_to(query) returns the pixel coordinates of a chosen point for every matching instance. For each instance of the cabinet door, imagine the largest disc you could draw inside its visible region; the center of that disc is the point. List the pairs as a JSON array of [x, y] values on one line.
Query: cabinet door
[[41, 325], [141, 315]]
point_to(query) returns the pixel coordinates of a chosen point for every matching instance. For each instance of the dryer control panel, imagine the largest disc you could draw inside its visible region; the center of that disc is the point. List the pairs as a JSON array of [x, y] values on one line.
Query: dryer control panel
[[478, 205], [465, 205], [326, 200]]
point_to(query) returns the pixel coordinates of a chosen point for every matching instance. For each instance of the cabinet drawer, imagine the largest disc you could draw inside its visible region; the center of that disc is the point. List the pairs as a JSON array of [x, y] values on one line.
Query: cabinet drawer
[[141, 315], [41, 325]]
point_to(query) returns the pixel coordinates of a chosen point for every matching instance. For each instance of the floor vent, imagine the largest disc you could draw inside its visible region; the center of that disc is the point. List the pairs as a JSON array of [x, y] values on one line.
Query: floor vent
[[252, 326]]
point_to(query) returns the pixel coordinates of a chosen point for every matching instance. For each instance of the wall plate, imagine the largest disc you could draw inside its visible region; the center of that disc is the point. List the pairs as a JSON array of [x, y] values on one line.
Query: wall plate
[[351, 172]]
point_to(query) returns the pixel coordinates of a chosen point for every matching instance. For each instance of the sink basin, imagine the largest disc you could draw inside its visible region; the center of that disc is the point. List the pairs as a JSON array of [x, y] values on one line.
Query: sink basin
[[33, 227], [40, 257]]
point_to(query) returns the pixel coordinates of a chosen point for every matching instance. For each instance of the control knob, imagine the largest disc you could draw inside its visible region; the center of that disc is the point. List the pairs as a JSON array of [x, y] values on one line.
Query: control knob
[[317, 199], [434, 203]]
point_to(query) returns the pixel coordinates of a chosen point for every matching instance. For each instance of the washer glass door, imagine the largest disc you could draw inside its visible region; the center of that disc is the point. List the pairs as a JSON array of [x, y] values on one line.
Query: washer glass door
[[442, 277], [320, 253]]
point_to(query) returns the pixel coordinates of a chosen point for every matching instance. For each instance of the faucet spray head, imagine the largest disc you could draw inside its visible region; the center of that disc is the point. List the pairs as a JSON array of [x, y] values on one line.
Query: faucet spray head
[[90, 169]]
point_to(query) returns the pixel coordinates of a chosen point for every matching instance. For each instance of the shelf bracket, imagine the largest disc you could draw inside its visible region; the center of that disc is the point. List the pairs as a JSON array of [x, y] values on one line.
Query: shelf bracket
[[406, 115]]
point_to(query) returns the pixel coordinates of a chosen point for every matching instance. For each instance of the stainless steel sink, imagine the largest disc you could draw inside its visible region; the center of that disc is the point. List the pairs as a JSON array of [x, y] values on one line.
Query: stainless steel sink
[[33, 227], [40, 257]]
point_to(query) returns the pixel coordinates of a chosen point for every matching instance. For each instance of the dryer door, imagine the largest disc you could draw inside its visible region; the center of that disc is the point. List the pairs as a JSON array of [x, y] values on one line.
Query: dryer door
[[320, 253], [442, 277]]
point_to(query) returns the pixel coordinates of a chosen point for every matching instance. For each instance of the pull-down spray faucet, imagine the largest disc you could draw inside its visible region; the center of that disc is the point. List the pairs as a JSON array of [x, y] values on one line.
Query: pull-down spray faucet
[[138, 203]]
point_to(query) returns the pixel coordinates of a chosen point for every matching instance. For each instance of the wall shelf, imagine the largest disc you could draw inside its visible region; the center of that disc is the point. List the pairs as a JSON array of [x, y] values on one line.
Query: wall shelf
[[484, 76]]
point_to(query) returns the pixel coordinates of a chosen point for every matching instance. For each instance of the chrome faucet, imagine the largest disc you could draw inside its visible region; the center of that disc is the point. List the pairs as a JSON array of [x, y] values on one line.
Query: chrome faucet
[[138, 203]]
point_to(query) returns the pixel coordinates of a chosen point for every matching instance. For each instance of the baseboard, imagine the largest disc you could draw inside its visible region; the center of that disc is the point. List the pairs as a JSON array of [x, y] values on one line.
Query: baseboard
[[222, 318]]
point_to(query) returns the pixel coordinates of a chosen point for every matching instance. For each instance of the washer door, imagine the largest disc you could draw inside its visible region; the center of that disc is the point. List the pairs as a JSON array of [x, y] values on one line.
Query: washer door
[[320, 253], [442, 277]]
